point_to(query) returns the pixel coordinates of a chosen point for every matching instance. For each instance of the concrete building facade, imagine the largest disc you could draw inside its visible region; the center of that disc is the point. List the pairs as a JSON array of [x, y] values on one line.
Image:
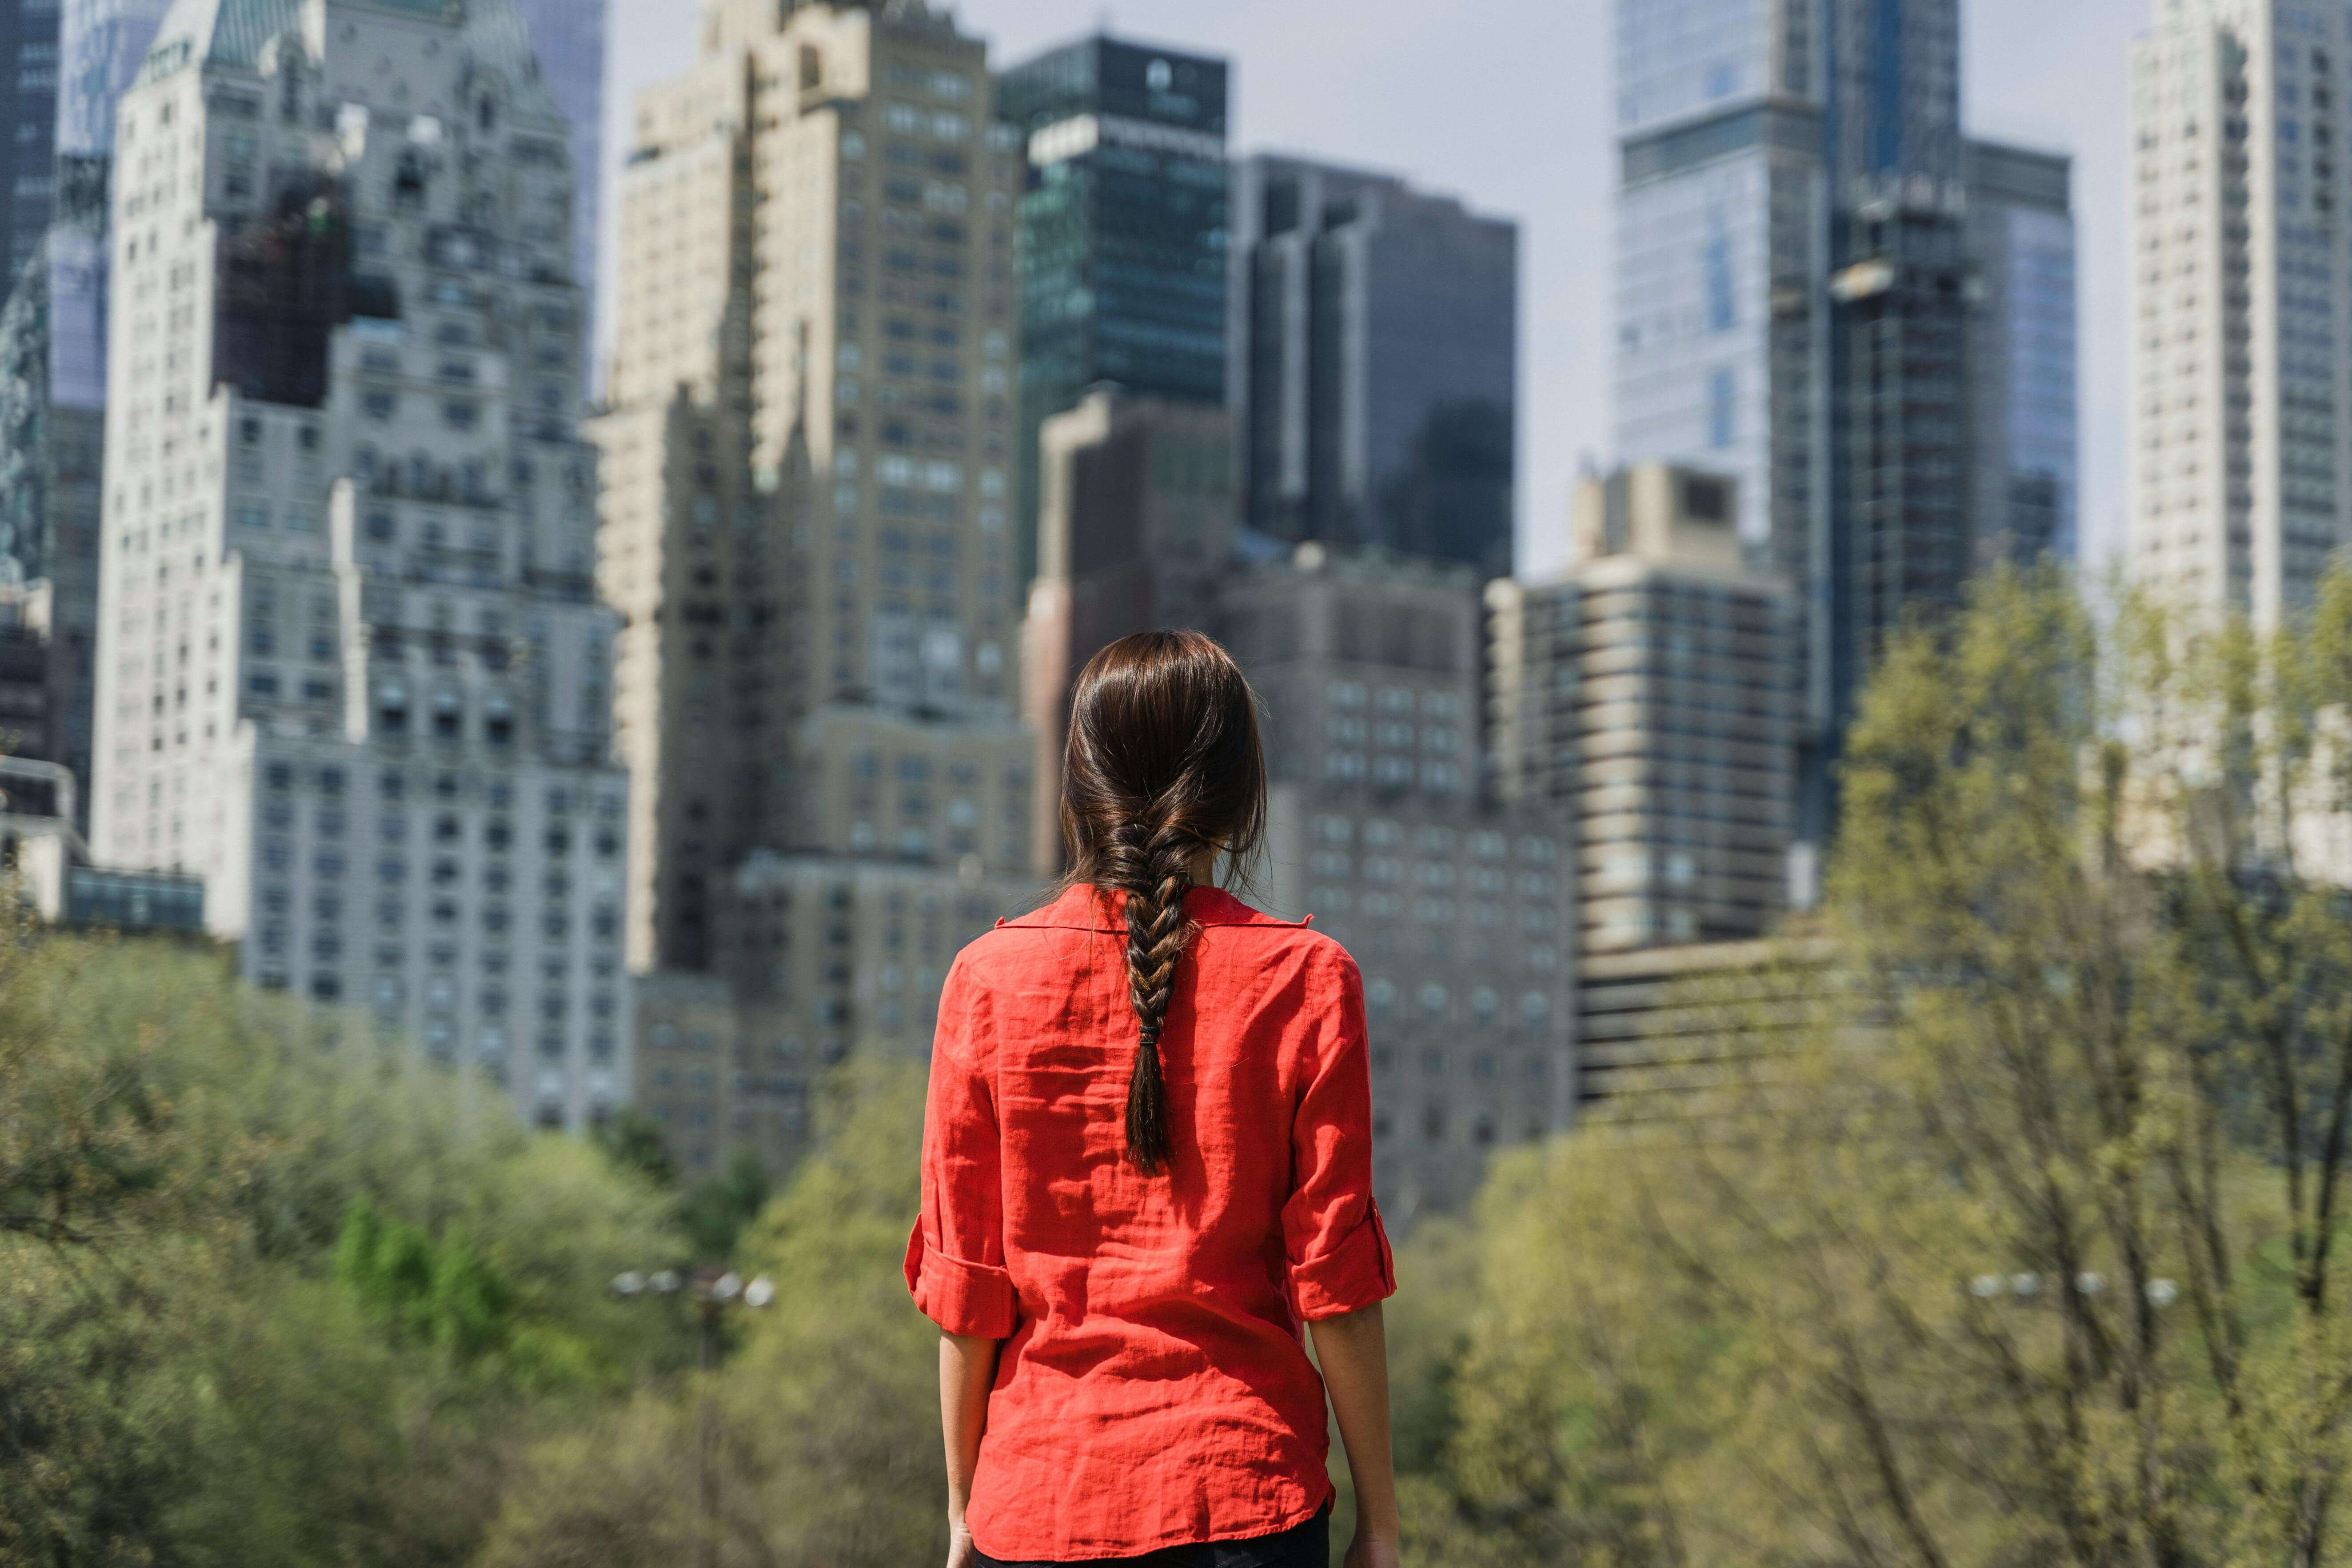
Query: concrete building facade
[[2242, 470], [807, 528], [1648, 696], [1460, 911], [351, 671]]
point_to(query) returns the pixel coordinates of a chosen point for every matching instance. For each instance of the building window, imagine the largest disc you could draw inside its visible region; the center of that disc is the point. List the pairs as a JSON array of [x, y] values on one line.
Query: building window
[[1722, 314], [1722, 409]]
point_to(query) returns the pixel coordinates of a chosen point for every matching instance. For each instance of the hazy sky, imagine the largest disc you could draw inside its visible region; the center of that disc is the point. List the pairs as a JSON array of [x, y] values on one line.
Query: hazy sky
[[1505, 103]]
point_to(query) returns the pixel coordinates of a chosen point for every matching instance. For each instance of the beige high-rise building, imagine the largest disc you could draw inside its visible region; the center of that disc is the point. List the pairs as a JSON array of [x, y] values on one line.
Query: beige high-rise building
[[808, 459], [2242, 481], [1650, 693]]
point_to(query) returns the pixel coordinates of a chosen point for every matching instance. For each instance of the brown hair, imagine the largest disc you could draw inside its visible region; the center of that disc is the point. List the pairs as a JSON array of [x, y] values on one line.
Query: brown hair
[[1163, 762]]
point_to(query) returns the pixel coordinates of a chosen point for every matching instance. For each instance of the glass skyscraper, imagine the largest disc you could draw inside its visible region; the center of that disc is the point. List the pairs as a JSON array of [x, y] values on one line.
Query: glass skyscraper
[[2022, 353], [28, 108], [1800, 302], [1374, 366], [1122, 238]]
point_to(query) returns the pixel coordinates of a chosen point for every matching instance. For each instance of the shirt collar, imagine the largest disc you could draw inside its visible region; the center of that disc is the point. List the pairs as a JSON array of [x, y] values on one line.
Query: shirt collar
[[1080, 909]]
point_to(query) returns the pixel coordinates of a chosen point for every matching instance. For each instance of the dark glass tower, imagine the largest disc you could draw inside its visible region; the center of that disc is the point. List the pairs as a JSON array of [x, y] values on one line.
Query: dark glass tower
[[1374, 366], [28, 112], [1122, 233]]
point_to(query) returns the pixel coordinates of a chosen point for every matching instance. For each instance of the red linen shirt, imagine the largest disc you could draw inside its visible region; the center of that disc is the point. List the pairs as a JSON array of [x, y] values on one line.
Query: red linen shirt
[[1154, 1389]]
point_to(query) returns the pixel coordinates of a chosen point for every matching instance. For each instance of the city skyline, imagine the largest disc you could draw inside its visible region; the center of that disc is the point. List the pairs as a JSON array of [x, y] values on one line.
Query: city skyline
[[1319, 79]]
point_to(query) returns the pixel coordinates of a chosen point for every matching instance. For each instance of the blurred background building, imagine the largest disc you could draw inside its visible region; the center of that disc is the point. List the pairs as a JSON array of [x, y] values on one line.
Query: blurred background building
[[567, 40], [1802, 305], [1136, 535], [2241, 457], [809, 465], [2024, 483], [353, 672], [1459, 909], [1647, 696], [53, 337], [29, 101], [1122, 243], [1372, 363]]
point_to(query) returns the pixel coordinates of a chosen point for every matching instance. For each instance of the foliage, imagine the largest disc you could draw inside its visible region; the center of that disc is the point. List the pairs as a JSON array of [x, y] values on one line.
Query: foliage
[[633, 1140], [822, 1435], [183, 1377], [2030, 1251], [715, 1213]]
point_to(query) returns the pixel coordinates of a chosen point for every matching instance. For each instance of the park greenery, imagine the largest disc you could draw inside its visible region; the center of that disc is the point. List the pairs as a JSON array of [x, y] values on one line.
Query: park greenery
[[2020, 1241]]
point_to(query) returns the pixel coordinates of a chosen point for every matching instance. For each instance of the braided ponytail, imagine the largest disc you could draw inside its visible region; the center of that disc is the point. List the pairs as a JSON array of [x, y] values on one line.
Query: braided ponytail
[[1156, 934], [1163, 764]]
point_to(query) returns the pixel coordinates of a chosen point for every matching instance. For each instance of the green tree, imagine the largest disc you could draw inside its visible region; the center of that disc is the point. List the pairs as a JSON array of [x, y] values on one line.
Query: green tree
[[634, 1142], [822, 1432], [184, 1378], [715, 1213], [2029, 1251]]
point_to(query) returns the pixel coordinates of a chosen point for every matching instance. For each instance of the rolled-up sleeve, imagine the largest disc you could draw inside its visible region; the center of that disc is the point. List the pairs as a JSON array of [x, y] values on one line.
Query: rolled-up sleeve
[[955, 1257], [1331, 1231]]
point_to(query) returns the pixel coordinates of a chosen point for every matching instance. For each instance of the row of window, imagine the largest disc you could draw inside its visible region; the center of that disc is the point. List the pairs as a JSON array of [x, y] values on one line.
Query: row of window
[[1390, 772], [1436, 875], [1354, 694], [1483, 844], [1434, 1002]]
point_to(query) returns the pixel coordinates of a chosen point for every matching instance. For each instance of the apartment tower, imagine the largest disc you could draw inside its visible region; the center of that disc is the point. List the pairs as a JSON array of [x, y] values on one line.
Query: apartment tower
[[350, 669], [2241, 449], [1647, 695], [807, 528], [1459, 909], [53, 337]]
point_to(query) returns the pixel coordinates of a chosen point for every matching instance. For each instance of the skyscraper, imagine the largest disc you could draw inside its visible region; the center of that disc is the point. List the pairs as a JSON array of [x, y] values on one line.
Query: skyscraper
[[1648, 693], [2021, 352], [1373, 363], [2242, 453], [806, 525], [1796, 296], [53, 336], [1122, 233], [351, 671], [28, 108], [1459, 909]]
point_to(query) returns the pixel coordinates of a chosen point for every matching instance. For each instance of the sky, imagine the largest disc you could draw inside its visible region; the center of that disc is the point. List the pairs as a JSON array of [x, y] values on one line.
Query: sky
[[1505, 103]]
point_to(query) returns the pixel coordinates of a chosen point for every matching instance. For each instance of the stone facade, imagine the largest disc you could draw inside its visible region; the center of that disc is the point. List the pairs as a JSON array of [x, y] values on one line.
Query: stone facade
[[351, 671], [1459, 909]]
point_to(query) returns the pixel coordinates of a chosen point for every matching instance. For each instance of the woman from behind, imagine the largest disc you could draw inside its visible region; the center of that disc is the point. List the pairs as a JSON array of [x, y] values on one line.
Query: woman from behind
[[1147, 1173]]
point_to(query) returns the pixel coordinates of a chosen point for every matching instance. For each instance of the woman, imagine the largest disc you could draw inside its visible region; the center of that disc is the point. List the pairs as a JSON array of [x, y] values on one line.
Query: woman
[[1147, 1163]]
